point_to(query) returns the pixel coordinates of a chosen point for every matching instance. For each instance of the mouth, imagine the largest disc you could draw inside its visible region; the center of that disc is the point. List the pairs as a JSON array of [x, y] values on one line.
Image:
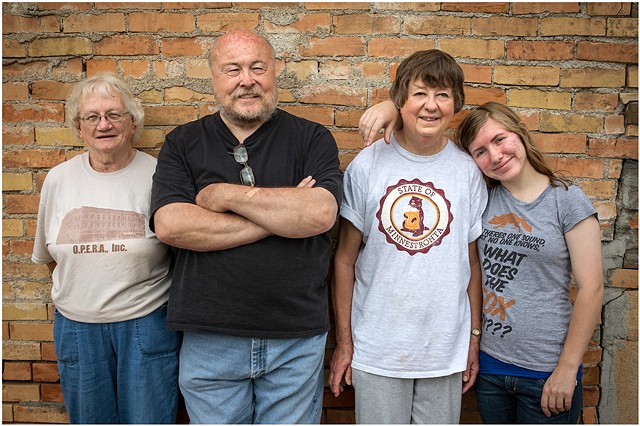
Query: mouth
[[247, 96], [502, 166]]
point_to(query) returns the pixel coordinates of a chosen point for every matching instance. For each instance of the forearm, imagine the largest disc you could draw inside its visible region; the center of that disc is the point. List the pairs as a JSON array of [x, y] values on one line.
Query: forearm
[[342, 293], [585, 316], [287, 212], [474, 291], [190, 227]]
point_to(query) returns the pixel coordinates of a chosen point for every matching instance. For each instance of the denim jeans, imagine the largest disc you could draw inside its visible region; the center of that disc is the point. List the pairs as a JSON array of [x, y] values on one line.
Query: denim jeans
[[121, 372], [229, 379], [509, 400]]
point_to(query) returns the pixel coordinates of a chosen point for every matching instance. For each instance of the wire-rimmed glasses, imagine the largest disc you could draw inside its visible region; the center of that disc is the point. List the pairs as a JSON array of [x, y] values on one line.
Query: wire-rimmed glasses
[[241, 156], [112, 117]]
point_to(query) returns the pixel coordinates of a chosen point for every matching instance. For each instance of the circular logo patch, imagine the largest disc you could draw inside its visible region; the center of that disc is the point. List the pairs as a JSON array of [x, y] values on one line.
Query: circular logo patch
[[414, 216]]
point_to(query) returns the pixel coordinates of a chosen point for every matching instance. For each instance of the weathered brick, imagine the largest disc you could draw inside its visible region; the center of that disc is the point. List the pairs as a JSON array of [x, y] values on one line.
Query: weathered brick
[[50, 90], [21, 204], [334, 5], [312, 23], [394, 47], [24, 311], [527, 76], [366, 23], [28, 24], [54, 136], [573, 123], [32, 158], [589, 101], [16, 371], [473, 48], [479, 7], [540, 99], [18, 392], [62, 46], [578, 167], [161, 22], [592, 77], [526, 8], [620, 147], [15, 91], [333, 95], [184, 47], [198, 68], [624, 278], [607, 52], [20, 351], [51, 392], [532, 50], [40, 112], [552, 26], [560, 143], [17, 181], [45, 372], [136, 68], [348, 139], [12, 228], [348, 118], [22, 248], [34, 69], [505, 26], [89, 23], [68, 69], [127, 45], [169, 115], [608, 8], [319, 114], [95, 66], [437, 25], [40, 414], [221, 22], [589, 416], [622, 27], [480, 95], [334, 46], [31, 331], [599, 188], [13, 48], [412, 6]]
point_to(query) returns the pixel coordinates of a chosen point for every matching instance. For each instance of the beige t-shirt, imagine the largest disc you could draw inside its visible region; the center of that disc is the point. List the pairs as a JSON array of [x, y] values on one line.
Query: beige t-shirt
[[110, 266]]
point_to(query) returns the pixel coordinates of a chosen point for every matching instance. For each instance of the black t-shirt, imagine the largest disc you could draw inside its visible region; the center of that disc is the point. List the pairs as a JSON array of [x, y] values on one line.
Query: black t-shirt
[[275, 287]]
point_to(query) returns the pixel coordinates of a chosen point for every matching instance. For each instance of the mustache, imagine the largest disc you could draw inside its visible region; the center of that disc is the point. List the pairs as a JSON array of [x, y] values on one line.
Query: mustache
[[239, 93]]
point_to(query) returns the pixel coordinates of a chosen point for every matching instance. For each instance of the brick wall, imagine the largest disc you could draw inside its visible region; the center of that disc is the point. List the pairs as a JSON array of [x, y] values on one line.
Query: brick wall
[[570, 69]]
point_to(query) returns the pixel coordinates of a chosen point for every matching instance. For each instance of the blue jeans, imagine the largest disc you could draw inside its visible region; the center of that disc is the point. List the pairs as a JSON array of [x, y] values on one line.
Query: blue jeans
[[229, 379], [121, 372], [510, 400]]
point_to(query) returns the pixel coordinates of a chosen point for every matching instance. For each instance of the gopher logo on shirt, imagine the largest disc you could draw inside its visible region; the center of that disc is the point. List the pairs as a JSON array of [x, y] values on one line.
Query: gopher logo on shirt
[[414, 216]]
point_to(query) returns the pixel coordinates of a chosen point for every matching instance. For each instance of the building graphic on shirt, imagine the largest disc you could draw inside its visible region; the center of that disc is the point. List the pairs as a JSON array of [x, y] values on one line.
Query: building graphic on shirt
[[414, 216], [92, 224]]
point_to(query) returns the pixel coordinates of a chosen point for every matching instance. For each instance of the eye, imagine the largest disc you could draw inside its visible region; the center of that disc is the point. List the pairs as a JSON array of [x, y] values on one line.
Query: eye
[[114, 116], [232, 72], [91, 118], [478, 153], [259, 69]]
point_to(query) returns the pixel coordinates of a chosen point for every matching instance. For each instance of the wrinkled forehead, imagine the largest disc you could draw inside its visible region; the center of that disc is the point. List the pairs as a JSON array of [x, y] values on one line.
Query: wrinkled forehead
[[232, 47]]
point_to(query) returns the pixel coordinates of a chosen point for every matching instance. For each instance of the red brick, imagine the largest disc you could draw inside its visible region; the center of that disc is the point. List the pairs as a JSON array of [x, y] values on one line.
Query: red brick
[[607, 52], [32, 158], [39, 112], [161, 22], [88, 23], [333, 95], [479, 7], [95, 66], [505, 26], [51, 392], [525, 8], [45, 372], [531, 50], [366, 23], [589, 416], [50, 90], [221, 22], [35, 69], [31, 331], [551, 26], [608, 8], [15, 91], [184, 47], [624, 278]]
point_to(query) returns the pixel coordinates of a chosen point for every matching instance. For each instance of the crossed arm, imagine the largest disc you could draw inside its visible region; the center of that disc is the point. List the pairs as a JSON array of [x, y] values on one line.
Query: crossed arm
[[228, 215]]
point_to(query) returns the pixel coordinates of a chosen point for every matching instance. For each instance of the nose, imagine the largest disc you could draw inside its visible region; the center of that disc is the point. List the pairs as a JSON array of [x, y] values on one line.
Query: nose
[[430, 103], [103, 123], [246, 79], [495, 155]]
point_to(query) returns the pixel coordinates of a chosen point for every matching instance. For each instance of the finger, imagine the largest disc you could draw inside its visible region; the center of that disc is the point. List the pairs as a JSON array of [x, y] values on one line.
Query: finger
[[544, 404], [387, 133], [347, 376]]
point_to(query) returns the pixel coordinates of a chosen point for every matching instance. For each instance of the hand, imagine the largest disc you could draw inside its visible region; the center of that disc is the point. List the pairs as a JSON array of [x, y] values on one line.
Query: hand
[[558, 390], [307, 182], [385, 114], [473, 365], [340, 366]]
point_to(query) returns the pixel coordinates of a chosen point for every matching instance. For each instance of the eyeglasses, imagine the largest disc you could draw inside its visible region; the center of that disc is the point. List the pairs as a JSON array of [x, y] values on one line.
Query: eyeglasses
[[246, 174], [112, 117]]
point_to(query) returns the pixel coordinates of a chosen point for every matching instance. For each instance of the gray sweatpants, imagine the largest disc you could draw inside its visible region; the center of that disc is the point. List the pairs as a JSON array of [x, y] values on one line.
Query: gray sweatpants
[[389, 400]]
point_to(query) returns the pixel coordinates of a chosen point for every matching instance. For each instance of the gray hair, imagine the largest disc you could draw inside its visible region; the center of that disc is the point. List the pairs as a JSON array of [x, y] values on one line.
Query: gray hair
[[103, 84]]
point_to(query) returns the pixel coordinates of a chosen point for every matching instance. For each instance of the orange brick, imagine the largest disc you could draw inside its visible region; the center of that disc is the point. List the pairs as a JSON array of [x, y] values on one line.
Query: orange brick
[[366, 23], [614, 124], [348, 139], [609, 9], [394, 47], [220, 22], [592, 77], [40, 112], [590, 396], [591, 376], [161, 22], [589, 416], [51, 392], [169, 115], [348, 118], [624, 278], [18, 392], [16, 371], [480, 95], [333, 95], [613, 147], [136, 68], [412, 6], [607, 52], [13, 49], [479, 7], [334, 46], [45, 372], [312, 23], [473, 48], [48, 352], [32, 158], [599, 188], [589, 101], [127, 45], [527, 76], [88, 23], [437, 25], [31, 331], [572, 26], [477, 73], [35, 69], [50, 90], [322, 115], [334, 5], [539, 50], [578, 167], [36, 414], [183, 47], [560, 143], [26, 24], [525, 8], [22, 248], [21, 204], [505, 26], [15, 91]]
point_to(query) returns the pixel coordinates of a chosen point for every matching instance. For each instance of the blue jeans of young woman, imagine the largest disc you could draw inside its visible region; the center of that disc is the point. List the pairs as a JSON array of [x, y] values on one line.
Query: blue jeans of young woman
[[121, 372], [229, 379], [510, 400]]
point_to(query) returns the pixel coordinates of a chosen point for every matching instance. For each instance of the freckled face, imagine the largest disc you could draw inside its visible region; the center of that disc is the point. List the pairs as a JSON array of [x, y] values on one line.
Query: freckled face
[[106, 137], [499, 153]]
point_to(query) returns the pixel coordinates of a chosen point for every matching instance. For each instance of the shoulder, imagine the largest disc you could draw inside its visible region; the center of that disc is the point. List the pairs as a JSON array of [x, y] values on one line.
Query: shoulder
[[287, 119], [192, 126]]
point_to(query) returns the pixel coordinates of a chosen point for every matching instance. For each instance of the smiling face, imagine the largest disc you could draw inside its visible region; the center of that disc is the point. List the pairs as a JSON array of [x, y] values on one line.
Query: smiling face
[[427, 112], [243, 68], [499, 153], [106, 138]]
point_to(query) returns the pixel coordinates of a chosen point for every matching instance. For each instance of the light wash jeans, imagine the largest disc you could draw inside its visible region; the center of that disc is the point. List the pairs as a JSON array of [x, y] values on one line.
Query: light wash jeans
[[121, 372], [229, 379]]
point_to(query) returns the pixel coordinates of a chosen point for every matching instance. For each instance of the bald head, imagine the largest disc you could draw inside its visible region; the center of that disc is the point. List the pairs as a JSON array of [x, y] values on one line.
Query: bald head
[[236, 38]]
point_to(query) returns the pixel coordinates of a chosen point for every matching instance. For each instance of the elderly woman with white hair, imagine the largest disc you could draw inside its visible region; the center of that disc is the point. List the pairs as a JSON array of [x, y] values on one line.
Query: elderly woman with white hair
[[118, 362]]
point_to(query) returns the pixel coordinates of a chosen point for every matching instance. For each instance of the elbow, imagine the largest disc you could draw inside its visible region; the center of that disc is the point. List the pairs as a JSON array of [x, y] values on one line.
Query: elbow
[[326, 218], [163, 231]]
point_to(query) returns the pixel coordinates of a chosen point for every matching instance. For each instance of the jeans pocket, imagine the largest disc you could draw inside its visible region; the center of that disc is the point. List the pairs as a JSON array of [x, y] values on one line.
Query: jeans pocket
[[154, 339], [65, 339]]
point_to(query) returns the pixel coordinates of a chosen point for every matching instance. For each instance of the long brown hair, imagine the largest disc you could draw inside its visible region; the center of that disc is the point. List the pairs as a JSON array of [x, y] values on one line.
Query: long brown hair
[[509, 120]]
